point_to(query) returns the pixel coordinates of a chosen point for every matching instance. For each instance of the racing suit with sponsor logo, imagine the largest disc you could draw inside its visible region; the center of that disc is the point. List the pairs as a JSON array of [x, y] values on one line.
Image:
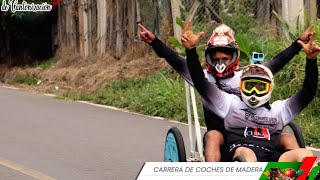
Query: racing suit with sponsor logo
[[258, 128]]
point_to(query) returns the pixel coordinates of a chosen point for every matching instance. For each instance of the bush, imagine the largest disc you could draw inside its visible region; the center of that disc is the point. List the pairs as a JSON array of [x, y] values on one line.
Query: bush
[[47, 64], [25, 79]]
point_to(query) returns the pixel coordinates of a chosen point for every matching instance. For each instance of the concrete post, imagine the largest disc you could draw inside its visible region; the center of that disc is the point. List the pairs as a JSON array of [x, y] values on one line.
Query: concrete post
[[291, 11], [175, 8], [311, 8]]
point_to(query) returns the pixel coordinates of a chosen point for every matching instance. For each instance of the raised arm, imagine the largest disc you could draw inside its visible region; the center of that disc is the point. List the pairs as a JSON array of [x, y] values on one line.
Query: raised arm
[[279, 61], [303, 97], [177, 62], [213, 98]]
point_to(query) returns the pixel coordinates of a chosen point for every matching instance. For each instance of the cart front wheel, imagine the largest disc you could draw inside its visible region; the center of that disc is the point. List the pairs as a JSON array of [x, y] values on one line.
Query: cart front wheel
[[174, 150]]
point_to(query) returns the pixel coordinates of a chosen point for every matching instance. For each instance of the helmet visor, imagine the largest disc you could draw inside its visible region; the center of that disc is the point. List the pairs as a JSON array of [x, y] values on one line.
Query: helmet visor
[[258, 86]]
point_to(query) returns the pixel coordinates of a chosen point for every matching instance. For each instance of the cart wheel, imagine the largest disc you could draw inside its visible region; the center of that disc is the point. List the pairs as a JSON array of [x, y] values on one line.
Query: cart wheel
[[174, 150]]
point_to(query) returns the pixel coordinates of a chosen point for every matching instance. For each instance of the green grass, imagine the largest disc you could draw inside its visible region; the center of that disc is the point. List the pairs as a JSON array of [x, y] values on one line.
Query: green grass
[[25, 79], [47, 64], [159, 95]]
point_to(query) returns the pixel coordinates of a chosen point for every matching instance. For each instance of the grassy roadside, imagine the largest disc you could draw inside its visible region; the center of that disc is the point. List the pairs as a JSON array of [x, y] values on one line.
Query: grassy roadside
[[163, 95]]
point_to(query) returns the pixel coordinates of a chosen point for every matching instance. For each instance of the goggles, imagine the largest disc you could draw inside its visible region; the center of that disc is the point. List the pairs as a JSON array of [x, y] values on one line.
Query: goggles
[[259, 86]]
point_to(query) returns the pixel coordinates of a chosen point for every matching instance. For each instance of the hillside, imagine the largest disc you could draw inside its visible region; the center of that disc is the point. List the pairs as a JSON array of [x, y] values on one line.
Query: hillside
[[73, 73]]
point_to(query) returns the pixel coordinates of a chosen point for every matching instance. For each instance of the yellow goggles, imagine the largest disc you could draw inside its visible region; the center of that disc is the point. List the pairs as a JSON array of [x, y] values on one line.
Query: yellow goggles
[[259, 86]]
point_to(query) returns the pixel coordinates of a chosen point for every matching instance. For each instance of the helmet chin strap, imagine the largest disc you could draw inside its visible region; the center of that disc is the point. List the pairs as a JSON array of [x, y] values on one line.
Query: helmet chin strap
[[220, 67]]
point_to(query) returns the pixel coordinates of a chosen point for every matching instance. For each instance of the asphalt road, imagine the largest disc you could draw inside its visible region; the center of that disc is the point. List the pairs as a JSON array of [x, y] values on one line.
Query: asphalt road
[[72, 140], [45, 138]]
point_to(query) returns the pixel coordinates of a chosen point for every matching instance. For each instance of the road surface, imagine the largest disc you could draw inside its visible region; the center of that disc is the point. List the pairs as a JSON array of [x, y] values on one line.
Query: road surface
[[45, 138]]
